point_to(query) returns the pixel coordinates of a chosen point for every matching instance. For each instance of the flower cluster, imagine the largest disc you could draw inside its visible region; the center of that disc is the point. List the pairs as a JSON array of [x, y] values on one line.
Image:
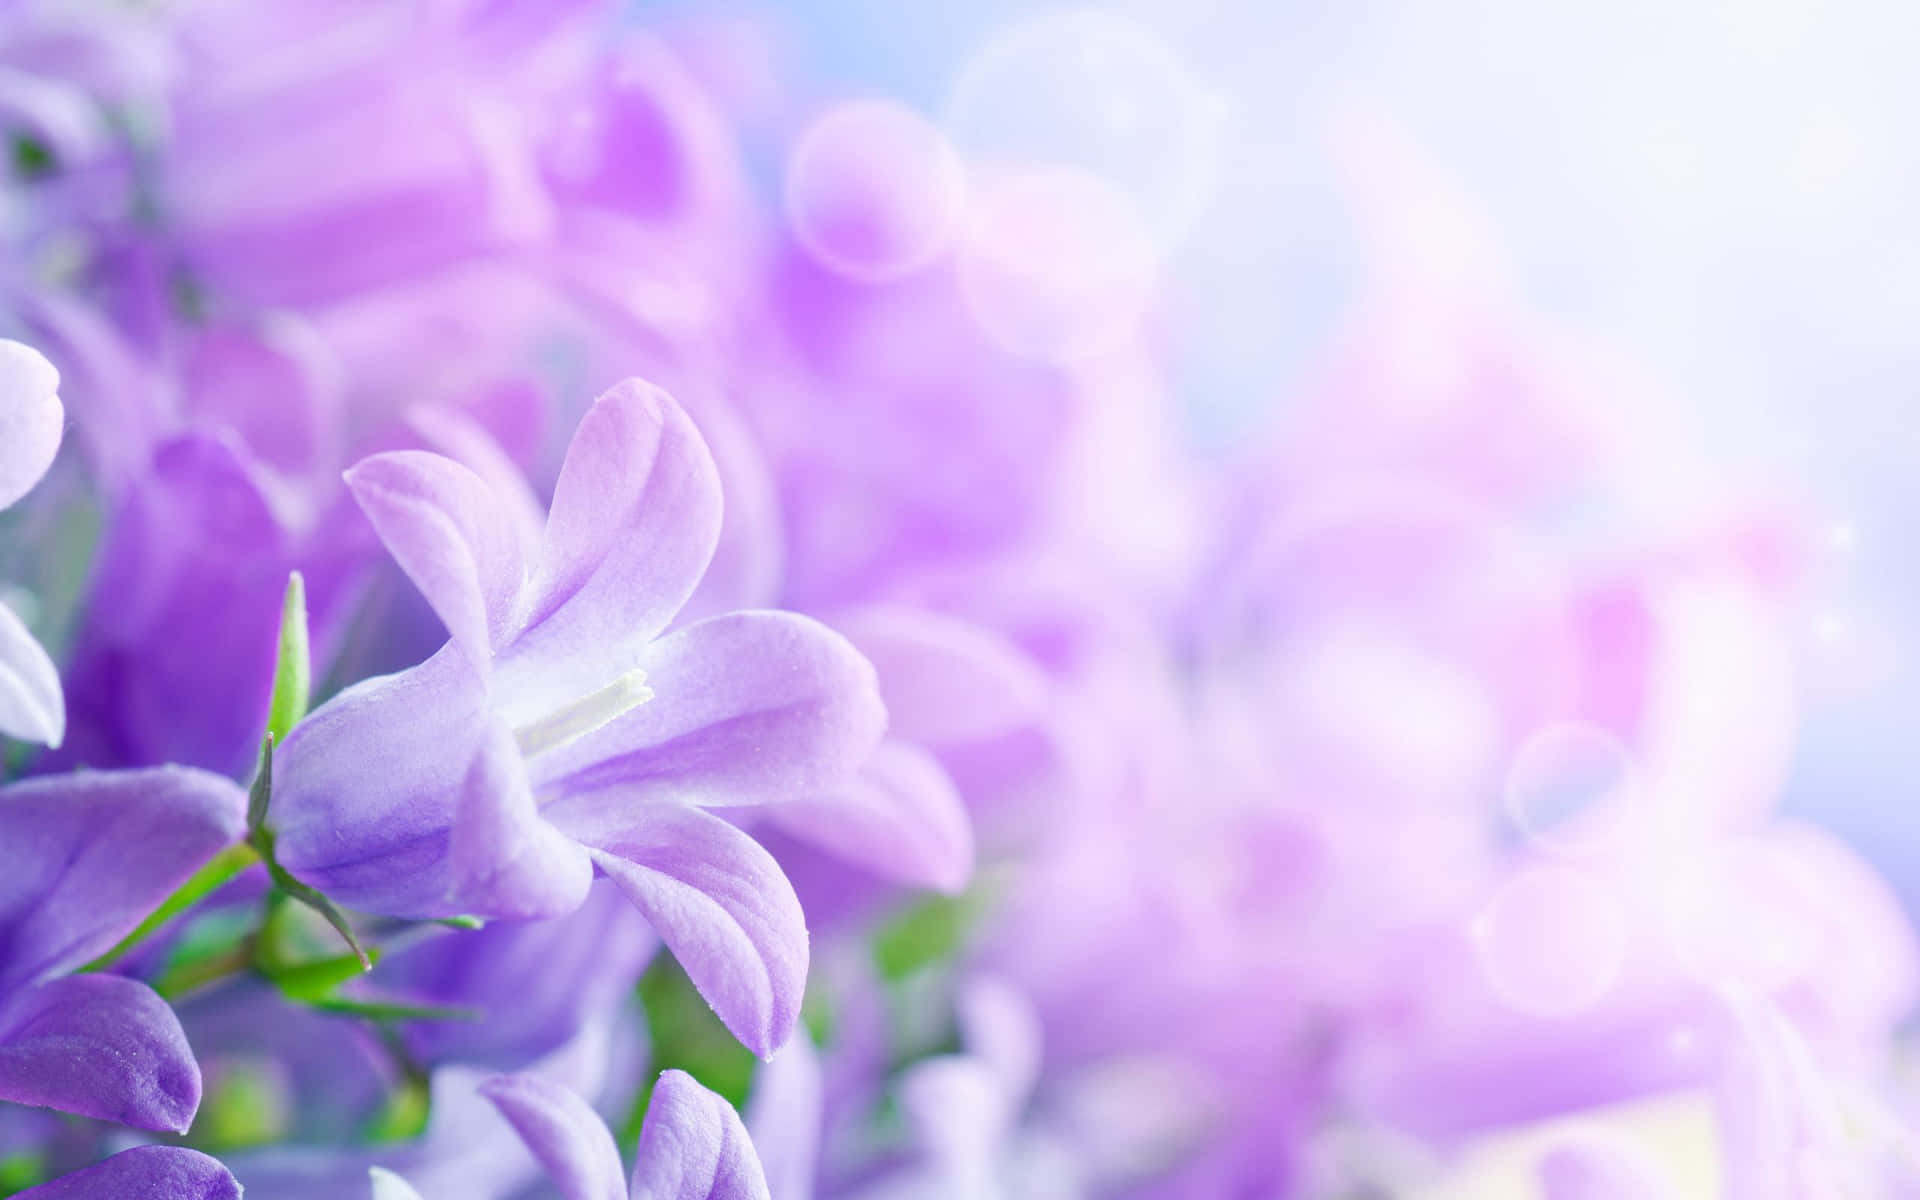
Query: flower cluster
[[866, 751]]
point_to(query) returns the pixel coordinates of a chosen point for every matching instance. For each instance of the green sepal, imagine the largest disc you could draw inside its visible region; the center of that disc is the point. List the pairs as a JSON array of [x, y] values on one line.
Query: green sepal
[[311, 982], [215, 874], [293, 666], [393, 1010]]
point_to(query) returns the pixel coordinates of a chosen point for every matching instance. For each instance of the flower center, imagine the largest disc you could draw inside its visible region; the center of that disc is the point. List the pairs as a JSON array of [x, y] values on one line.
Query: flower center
[[583, 716]]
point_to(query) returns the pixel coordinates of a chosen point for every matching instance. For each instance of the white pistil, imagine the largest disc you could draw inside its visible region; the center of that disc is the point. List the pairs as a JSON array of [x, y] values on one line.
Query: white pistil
[[583, 716]]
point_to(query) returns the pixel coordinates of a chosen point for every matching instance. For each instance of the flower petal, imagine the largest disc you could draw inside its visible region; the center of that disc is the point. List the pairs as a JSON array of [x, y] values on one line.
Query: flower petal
[[143, 1173], [693, 1147], [749, 708], [784, 1116], [31, 705], [634, 522], [946, 680], [564, 1133], [388, 1186], [99, 1046], [31, 418], [89, 855], [506, 861], [366, 788], [717, 899], [451, 535], [900, 818]]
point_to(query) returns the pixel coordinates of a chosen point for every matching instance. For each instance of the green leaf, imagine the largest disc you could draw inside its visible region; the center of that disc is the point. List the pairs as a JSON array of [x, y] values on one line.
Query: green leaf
[[926, 934], [393, 1010], [404, 1115], [317, 901], [684, 1033], [309, 982], [247, 1104], [260, 791], [293, 668], [32, 158], [20, 1171]]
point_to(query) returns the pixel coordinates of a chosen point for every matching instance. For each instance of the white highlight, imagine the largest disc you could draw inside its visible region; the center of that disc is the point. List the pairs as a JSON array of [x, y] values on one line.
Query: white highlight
[[583, 716]]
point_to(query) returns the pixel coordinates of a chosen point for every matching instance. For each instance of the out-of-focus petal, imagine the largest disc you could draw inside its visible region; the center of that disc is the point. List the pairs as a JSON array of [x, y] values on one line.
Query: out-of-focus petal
[[99, 1046], [749, 708], [365, 788], [31, 418], [634, 522], [452, 537], [784, 1115], [900, 818], [717, 899], [88, 855], [388, 1186], [143, 1173], [945, 680], [693, 1147], [564, 1133], [505, 861], [31, 705]]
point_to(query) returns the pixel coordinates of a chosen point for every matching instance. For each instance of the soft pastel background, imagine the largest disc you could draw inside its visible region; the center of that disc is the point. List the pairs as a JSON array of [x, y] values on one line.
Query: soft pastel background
[[1722, 190]]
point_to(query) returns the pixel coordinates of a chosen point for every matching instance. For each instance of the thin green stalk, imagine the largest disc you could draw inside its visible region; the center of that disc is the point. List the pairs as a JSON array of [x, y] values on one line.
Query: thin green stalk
[[220, 870]]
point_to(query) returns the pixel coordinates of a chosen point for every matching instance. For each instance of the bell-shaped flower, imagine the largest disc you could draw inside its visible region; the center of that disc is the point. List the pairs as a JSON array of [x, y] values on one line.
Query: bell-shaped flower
[[564, 731], [83, 859], [692, 1144], [31, 422]]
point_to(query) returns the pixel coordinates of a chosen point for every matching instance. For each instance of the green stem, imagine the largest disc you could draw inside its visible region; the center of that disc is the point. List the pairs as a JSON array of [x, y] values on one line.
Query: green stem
[[192, 977], [220, 870]]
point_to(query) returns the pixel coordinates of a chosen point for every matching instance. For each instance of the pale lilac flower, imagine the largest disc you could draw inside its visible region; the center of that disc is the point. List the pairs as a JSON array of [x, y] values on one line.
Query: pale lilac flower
[[31, 421], [692, 1146], [559, 733]]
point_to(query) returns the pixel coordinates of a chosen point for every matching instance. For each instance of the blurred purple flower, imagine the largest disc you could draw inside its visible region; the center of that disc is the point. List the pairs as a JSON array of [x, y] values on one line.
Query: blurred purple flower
[[692, 1145], [31, 421]]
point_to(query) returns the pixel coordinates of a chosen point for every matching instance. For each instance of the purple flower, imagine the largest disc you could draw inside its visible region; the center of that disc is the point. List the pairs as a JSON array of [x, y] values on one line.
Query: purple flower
[[31, 421], [559, 732], [692, 1146], [86, 857], [143, 1173]]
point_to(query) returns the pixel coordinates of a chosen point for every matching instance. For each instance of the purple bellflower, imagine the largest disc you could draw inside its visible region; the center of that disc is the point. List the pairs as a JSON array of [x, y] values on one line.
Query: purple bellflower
[[89, 855], [559, 733], [31, 421], [692, 1146]]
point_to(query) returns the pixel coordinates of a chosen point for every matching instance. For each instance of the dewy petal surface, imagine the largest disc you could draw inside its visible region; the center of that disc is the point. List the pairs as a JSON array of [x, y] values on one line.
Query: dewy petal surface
[[32, 706], [99, 1046], [506, 861], [451, 535], [365, 789], [88, 855], [564, 1133], [634, 522], [718, 900], [31, 418], [899, 817], [143, 1173], [748, 708], [693, 1147]]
